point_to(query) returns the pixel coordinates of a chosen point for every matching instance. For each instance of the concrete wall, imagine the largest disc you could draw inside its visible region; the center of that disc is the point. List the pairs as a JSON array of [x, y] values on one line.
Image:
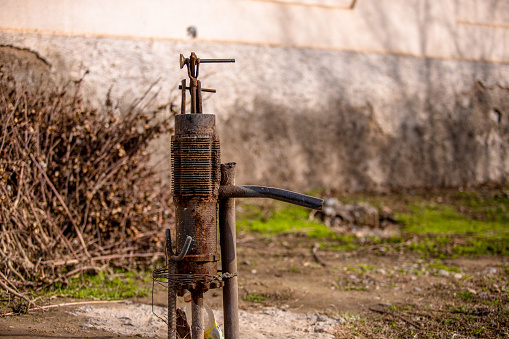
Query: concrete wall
[[349, 94]]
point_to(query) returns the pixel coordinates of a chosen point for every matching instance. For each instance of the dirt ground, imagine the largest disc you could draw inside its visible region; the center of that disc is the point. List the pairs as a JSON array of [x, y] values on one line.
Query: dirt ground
[[287, 290]]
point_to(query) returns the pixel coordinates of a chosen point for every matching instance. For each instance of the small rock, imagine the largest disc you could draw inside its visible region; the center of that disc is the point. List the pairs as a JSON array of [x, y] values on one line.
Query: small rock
[[328, 210], [270, 311], [331, 202], [491, 270], [443, 273], [483, 295], [385, 304], [319, 329], [417, 289], [353, 277], [340, 320], [247, 262], [458, 275], [253, 271], [366, 214], [311, 317], [322, 318]]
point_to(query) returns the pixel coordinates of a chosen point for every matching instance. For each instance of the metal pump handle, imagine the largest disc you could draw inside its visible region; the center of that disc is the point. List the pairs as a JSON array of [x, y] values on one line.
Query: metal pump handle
[[193, 70]]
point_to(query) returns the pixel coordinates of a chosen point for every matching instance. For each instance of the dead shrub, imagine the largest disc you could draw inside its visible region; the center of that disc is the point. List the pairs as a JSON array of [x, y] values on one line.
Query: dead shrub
[[76, 190]]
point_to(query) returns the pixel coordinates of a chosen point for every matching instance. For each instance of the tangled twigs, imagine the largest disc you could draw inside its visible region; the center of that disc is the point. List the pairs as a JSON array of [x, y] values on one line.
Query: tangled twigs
[[14, 292], [73, 304], [75, 185], [59, 197]]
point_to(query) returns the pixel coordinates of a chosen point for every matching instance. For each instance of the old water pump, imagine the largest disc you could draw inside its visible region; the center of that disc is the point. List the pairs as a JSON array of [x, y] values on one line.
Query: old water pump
[[204, 194]]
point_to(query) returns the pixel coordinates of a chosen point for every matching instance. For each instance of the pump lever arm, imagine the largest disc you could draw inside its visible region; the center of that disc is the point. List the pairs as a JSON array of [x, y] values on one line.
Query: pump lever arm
[[270, 192]]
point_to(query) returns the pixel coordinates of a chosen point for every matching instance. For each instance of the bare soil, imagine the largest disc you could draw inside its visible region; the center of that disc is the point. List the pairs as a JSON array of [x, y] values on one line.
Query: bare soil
[[286, 289]]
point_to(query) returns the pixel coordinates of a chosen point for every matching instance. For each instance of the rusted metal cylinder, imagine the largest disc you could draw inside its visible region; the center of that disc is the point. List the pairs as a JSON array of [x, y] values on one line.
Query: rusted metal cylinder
[[195, 182], [197, 219]]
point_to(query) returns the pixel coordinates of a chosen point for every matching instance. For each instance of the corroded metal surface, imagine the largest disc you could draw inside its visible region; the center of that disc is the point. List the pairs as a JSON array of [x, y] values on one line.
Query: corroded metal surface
[[199, 182], [195, 166], [195, 89], [195, 183]]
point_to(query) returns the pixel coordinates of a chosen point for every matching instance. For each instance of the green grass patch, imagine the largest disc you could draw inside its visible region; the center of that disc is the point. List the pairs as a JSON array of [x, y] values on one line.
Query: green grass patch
[[482, 226], [277, 217], [494, 303], [462, 309], [401, 308], [103, 286], [366, 267], [429, 217], [462, 224], [465, 295], [479, 245], [494, 206], [255, 297], [440, 266], [342, 243]]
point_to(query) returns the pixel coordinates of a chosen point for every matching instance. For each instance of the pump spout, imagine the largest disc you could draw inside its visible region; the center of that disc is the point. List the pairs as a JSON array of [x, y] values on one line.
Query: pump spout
[[270, 192]]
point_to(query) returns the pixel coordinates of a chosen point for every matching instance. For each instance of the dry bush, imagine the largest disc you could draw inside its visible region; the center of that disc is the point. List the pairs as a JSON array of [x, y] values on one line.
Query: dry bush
[[76, 190]]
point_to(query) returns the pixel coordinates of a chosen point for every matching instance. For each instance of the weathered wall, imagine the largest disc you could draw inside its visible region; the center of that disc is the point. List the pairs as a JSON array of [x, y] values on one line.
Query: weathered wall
[[330, 93]]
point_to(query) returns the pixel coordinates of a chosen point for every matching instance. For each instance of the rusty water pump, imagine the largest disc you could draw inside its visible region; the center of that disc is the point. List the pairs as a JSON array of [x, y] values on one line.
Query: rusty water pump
[[204, 191]]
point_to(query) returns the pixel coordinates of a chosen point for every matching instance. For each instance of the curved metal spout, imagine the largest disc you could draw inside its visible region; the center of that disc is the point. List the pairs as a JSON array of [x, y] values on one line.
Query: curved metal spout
[[184, 251], [270, 192]]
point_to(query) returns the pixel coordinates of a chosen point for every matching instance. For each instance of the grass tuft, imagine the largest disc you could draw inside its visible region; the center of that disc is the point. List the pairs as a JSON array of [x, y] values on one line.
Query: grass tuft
[[102, 286]]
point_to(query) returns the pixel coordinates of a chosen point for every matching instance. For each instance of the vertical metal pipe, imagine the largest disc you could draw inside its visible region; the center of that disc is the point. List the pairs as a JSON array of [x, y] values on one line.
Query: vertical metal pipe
[[183, 102], [193, 89], [172, 303], [198, 98], [197, 314], [172, 296], [228, 241]]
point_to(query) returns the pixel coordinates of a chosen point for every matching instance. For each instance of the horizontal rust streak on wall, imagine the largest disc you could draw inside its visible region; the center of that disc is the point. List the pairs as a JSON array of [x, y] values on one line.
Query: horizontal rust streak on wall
[[482, 23], [252, 43], [346, 8]]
